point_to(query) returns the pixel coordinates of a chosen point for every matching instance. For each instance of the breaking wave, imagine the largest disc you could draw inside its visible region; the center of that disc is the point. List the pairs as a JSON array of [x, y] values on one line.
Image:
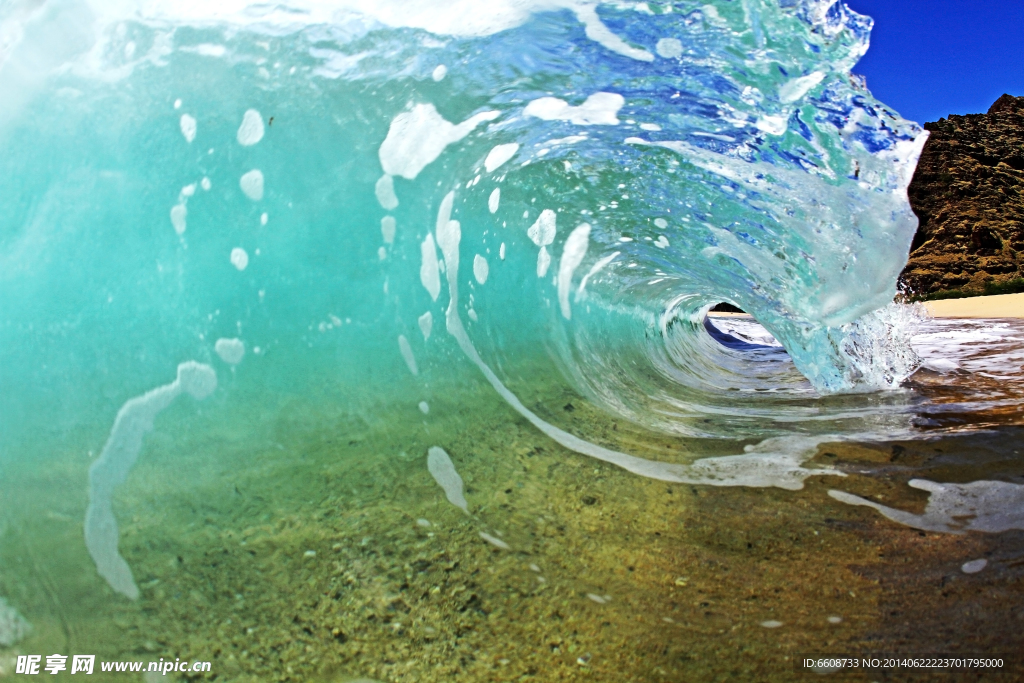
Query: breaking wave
[[495, 181]]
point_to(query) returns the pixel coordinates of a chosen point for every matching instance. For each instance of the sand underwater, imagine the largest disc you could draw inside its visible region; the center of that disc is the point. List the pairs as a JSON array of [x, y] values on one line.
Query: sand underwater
[[296, 546], [372, 344]]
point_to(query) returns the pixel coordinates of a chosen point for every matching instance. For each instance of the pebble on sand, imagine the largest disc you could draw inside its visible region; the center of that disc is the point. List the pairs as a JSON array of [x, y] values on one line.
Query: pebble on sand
[[496, 542]]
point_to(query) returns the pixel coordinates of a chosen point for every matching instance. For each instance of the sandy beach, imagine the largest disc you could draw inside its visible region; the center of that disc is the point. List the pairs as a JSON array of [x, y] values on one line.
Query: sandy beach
[[998, 306]]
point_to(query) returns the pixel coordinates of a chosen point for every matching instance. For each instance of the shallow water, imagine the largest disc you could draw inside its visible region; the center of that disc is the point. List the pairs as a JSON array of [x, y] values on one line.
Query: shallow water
[[371, 343], [284, 537]]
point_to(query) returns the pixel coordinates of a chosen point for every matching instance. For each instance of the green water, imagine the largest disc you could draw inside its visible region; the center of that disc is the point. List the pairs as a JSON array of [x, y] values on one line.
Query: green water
[[287, 546]]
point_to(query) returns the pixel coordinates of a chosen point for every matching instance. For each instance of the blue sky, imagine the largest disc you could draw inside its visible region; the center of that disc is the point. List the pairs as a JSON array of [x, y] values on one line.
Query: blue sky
[[932, 58]]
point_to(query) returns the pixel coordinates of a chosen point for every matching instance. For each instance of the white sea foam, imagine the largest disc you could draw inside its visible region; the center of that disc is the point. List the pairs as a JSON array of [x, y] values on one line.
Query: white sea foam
[[466, 18], [440, 71], [499, 155], [594, 270], [480, 269], [669, 48], [385, 191], [441, 468], [599, 109], [418, 137], [188, 127], [426, 322], [572, 256], [989, 506], [542, 232], [543, 262], [773, 125], [601, 34], [239, 258], [206, 49], [251, 130], [570, 140], [387, 229], [252, 184], [120, 452], [494, 200], [178, 215], [407, 355], [994, 347], [230, 350], [430, 275], [449, 233]]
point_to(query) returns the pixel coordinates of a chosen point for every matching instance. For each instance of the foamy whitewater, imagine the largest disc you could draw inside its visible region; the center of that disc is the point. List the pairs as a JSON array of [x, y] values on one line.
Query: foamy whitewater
[[371, 198]]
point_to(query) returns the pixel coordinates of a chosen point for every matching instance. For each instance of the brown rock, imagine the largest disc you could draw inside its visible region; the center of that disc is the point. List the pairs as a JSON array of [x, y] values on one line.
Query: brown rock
[[968, 192]]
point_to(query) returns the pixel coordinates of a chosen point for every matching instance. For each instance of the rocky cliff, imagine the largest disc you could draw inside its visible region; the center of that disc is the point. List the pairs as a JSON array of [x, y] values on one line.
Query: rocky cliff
[[968, 192]]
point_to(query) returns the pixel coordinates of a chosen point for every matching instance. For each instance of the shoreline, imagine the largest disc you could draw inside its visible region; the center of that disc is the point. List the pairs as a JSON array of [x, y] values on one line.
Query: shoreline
[[993, 306]]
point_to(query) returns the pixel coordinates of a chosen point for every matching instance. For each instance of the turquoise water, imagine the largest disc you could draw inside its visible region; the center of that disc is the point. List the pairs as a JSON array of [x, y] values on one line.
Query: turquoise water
[[256, 260], [177, 176]]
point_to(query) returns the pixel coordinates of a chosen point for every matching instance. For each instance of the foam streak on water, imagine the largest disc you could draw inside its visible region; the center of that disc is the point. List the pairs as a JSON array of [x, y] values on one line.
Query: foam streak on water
[[119, 454]]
